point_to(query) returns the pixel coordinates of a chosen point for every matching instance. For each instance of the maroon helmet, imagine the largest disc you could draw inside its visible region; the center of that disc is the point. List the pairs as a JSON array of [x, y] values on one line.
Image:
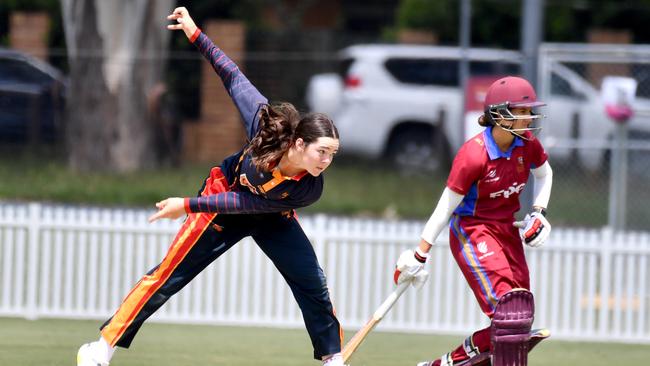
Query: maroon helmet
[[513, 91], [510, 92]]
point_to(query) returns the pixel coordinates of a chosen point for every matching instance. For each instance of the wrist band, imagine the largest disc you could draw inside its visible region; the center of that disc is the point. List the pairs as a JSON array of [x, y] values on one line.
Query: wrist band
[[420, 256], [196, 35], [540, 210]]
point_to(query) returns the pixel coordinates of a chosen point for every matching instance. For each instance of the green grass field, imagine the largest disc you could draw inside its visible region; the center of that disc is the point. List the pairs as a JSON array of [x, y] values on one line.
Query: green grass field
[[54, 342]]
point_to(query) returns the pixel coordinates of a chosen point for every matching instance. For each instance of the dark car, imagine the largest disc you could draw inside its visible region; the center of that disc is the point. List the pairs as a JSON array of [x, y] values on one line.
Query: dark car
[[32, 99]]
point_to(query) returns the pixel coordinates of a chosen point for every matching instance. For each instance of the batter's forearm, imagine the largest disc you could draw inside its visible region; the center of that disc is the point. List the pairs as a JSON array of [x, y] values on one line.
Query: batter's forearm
[[424, 246], [542, 185]]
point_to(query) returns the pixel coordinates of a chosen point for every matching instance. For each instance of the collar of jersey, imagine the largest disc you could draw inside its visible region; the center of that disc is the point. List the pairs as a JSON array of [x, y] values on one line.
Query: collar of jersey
[[277, 175], [295, 177], [279, 178], [493, 149]]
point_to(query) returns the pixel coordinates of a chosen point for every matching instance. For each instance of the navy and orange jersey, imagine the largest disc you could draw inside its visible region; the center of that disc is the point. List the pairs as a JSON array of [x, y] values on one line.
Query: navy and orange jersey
[[490, 179], [243, 93], [252, 191]]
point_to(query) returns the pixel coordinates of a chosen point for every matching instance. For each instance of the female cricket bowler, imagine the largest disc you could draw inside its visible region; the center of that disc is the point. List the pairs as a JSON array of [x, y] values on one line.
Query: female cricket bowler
[[478, 204], [253, 193]]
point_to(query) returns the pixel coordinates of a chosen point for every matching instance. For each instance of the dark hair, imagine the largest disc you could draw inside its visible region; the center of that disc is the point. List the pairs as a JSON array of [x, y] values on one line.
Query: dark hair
[[280, 126], [484, 120]]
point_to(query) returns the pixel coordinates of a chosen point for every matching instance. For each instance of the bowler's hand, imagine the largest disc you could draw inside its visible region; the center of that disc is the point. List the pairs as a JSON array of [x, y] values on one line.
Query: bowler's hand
[[171, 208], [183, 20]]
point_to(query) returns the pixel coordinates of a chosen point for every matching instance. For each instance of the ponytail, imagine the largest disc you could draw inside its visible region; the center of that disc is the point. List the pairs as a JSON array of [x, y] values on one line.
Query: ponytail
[[484, 120], [280, 126], [275, 134]]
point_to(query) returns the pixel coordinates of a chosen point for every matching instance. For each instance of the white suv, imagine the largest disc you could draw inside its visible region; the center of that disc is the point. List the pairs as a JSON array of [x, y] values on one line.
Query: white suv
[[404, 102], [401, 101]]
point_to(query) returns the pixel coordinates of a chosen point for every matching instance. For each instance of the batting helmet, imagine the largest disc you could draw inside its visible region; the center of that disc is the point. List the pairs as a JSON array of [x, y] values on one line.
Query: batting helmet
[[510, 92], [515, 91]]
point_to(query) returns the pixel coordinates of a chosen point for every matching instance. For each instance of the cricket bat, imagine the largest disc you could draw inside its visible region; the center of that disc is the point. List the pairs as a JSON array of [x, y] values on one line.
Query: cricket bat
[[359, 337]]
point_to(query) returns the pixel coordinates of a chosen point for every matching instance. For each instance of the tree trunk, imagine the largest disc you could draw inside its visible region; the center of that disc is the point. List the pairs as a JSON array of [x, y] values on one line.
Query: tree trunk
[[117, 51]]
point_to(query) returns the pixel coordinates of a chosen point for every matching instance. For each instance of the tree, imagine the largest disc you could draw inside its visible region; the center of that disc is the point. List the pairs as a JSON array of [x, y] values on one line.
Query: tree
[[493, 21], [489, 18], [116, 54]]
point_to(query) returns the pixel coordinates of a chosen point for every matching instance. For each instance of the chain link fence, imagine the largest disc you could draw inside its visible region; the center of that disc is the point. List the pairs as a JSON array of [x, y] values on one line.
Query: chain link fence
[[582, 140], [577, 133]]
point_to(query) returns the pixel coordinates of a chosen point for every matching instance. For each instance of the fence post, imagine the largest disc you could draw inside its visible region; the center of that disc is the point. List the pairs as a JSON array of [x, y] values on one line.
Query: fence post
[[605, 276], [319, 234], [33, 231], [618, 178]]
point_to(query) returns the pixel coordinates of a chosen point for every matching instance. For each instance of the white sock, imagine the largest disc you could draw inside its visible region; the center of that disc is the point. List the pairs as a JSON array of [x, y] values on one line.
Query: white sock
[[335, 360], [102, 350]]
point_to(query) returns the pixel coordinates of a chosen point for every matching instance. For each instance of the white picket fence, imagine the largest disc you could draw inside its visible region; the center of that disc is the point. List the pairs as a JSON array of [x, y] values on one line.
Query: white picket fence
[[79, 262]]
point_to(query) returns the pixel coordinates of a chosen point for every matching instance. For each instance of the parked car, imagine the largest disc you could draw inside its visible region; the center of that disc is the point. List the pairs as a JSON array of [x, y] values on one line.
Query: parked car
[[404, 103], [576, 116], [32, 98]]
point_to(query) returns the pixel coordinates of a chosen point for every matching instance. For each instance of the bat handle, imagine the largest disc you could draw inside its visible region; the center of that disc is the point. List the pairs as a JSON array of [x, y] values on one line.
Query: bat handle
[[390, 300]]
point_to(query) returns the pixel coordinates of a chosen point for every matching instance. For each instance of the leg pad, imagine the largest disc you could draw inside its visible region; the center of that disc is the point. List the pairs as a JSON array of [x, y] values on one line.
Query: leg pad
[[510, 330], [483, 359]]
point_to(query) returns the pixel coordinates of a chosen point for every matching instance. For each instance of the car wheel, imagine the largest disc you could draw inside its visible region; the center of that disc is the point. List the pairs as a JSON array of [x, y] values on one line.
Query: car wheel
[[418, 150]]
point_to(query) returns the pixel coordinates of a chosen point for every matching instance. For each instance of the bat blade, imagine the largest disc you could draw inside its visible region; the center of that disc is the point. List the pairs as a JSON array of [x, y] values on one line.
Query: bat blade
[[358, 338], [354, 343]]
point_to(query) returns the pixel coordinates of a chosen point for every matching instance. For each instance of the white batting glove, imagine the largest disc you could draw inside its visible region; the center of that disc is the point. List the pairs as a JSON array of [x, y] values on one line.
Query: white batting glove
[[410, 267], [534, 229]]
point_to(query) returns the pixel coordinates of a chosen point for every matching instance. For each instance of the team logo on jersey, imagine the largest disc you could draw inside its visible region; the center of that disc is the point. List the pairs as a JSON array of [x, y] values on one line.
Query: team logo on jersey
[[513, 189], [479, 141], [492, 176], [520, 164], [483, 249]]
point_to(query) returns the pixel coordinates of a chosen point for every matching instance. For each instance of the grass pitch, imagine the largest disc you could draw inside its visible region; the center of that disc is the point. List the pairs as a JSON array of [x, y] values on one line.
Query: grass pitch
[[49, 342]]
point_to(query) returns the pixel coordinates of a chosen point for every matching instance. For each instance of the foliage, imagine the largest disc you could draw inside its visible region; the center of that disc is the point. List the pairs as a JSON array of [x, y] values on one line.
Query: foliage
[[489, 19], [498, 22], [31, 5], [52, 7], [425, 15]]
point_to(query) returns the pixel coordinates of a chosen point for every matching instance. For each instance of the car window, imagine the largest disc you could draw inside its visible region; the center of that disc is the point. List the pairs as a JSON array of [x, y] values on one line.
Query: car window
[[424, 71], [12, 71], [344, 67], [444, 72], [562, 87], [482, 68], [643, 88], [641, 72]]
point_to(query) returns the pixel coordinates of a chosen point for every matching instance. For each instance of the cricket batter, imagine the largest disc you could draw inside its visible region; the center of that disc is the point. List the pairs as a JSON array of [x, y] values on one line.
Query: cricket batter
[[478, 204], [253, 193]]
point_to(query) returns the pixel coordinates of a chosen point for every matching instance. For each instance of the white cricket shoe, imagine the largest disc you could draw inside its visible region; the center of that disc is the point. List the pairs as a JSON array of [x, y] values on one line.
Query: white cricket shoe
[[85, 356], [335, 360]]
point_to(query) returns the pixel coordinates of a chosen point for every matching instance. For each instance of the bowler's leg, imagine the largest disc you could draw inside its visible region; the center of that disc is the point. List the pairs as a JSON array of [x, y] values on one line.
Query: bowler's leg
[[285, 243]]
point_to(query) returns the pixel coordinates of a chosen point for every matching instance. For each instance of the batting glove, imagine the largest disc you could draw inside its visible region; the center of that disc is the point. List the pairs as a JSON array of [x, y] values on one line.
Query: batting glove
[[410, 267], [534, 229]]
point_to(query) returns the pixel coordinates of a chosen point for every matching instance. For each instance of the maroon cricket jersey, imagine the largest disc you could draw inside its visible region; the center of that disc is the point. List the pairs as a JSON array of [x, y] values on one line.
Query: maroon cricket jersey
[[490, 179]]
